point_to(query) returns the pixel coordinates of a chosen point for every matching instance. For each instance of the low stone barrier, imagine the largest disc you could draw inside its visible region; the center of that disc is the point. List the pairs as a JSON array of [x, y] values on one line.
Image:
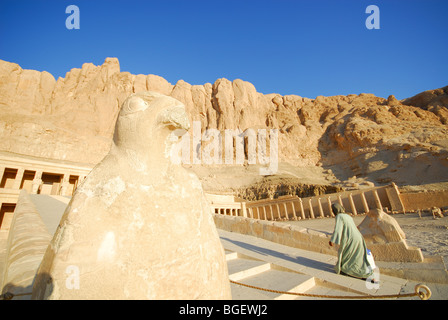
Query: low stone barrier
[[293, 236], [307, 239]]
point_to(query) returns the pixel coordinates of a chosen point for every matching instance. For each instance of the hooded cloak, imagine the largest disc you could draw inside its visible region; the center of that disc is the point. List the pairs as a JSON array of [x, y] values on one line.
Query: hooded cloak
[[352, 252]]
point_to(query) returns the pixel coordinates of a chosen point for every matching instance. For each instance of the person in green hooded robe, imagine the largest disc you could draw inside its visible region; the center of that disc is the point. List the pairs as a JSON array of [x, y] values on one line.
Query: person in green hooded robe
[[352, 252]]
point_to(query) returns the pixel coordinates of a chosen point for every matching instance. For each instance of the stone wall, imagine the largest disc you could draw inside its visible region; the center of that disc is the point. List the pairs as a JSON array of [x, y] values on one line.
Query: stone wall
[[304, 238], [424, 200], [281, 233]]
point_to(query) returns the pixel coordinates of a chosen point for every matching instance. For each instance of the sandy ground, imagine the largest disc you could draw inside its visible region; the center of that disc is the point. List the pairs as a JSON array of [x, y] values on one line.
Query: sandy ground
[[426, 233]]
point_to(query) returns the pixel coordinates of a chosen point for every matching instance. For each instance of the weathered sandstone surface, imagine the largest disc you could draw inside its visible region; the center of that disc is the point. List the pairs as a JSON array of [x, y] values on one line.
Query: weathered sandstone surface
[[351, 140], [139, 227]]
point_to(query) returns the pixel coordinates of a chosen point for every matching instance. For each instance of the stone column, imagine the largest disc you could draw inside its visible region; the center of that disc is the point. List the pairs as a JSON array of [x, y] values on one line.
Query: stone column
[[352, 204], [329, 207], [364, 203], [1, 221], [311, 209], [278, 211], [286, 211], [2, 172], [265, 216], [302, 211], [340, 200], [251, 213], [19, 177], [272, 212], [36, 182], [377, 200], [319, 206], [294, 210], [243, 209], [64, 184]]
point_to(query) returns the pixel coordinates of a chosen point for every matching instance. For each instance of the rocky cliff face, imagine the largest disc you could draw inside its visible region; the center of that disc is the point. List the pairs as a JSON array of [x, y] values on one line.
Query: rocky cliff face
[[354, 139]]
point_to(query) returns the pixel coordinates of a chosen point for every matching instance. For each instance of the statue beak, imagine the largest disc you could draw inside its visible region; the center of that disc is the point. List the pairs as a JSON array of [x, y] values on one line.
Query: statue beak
[[175, 117]]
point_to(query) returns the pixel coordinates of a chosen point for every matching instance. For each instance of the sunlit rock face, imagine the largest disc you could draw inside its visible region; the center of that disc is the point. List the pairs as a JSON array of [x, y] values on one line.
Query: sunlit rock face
[[360, 137]]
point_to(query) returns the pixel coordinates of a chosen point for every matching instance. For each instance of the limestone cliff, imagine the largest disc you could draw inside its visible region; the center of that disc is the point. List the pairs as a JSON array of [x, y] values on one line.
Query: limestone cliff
[[353, 139]]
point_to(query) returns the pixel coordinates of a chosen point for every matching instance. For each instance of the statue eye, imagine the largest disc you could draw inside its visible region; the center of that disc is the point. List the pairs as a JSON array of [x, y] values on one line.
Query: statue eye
[[132, 105]]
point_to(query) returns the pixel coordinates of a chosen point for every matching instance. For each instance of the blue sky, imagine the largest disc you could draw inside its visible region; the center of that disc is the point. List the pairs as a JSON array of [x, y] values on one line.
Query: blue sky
[[308, 48]]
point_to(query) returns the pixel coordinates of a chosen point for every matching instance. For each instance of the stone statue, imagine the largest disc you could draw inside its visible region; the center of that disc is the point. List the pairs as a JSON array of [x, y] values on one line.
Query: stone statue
[[379, 227], [139, 227], [436, 213], [385, 238]]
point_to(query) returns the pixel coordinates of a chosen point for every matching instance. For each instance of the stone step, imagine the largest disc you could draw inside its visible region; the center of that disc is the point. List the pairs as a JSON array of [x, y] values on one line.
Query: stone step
[[244, 293], [282, 281], [264, 275], [298, 261], [241, 268], [319, 266], [261, 274], [230, 255]]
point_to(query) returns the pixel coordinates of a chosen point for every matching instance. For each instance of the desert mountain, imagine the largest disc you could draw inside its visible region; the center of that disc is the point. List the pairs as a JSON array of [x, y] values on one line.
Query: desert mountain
[[351, 140]]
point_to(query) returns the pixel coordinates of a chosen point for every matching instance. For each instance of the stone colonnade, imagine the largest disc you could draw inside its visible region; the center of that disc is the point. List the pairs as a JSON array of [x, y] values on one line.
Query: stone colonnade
[[36, 176], [295, 208]]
